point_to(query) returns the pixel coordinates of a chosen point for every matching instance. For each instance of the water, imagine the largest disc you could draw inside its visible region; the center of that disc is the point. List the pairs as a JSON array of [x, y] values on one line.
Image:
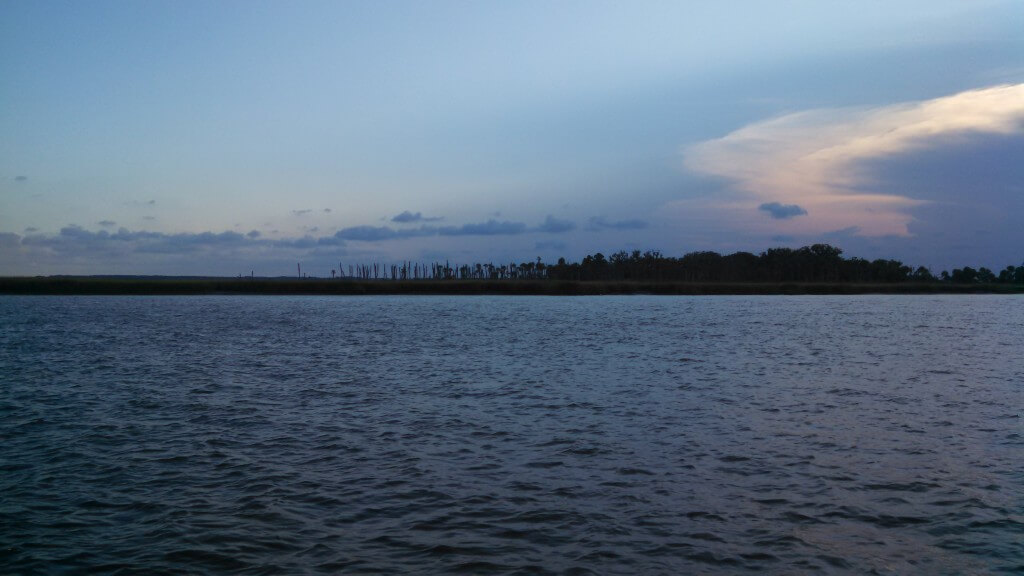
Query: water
[[523, 435]]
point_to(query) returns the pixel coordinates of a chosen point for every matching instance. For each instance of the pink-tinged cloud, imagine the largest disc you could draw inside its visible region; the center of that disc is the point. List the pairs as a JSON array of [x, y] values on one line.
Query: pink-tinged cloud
[[815, 159]]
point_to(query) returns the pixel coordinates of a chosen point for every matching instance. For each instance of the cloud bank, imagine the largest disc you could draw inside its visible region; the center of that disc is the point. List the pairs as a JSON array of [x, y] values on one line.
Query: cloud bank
[[816, 160], [492, 227], [78, 250]]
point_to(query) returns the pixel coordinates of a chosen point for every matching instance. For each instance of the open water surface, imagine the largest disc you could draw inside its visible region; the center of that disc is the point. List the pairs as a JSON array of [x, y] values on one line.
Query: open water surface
[[520, 435]]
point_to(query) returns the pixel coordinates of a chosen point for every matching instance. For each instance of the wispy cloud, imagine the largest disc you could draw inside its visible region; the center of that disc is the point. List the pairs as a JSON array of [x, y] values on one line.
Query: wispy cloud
[[602, 223], [815, 159], [491, 227], [782, 211], [107, 223], [488, 228], [21, 178], [78, 240], [553, 225], [302, 212]]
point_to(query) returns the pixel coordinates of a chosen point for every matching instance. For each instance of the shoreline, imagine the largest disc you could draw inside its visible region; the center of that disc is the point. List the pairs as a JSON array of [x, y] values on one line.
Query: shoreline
[[98, 285]]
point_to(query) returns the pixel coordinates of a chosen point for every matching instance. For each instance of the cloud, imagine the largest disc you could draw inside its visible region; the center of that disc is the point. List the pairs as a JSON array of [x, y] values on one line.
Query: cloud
[[367, 233], [380, 233], [107, 223], [31, 229], [407, 217], [302, 212], [327, 210], [9, 240], [552, 225], [975, 187], [782, 211], [177, 243], [817, 159], [21, 178], [97, 251], [76, 250], [602, 223], [490, 228], [75, 239], [330, 241]]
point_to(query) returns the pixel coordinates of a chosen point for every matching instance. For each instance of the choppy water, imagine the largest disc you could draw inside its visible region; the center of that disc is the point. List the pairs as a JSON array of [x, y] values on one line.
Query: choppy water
[[526, 435]]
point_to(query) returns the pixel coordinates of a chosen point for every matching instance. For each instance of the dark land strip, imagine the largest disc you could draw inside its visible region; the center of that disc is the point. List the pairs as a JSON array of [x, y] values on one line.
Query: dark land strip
[[156, 285]]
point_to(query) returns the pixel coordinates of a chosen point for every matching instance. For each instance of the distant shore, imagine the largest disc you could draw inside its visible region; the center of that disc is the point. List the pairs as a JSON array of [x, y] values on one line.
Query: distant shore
[[156, 285]]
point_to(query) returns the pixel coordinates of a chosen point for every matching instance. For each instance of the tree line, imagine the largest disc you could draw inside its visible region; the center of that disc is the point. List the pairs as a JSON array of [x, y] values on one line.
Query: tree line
[[818, 263], [444, 271]]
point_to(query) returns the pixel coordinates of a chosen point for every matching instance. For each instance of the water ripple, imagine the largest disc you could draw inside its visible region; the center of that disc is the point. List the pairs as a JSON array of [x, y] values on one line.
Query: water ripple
[[621, 435]]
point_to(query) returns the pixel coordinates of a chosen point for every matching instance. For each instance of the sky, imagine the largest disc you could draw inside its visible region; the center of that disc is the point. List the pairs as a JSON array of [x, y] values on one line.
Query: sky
[[225, 138]]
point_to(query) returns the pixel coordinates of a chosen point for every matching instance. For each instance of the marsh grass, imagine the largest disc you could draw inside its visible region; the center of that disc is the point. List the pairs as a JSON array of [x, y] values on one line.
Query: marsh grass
[[99, 285]]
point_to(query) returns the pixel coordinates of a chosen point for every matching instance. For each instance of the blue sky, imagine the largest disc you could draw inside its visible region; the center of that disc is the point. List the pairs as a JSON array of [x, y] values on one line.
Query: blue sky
[[219, 138]]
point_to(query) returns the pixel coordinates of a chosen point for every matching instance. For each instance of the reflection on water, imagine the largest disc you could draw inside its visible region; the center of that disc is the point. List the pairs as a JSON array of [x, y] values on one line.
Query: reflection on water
[[619, 435]]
